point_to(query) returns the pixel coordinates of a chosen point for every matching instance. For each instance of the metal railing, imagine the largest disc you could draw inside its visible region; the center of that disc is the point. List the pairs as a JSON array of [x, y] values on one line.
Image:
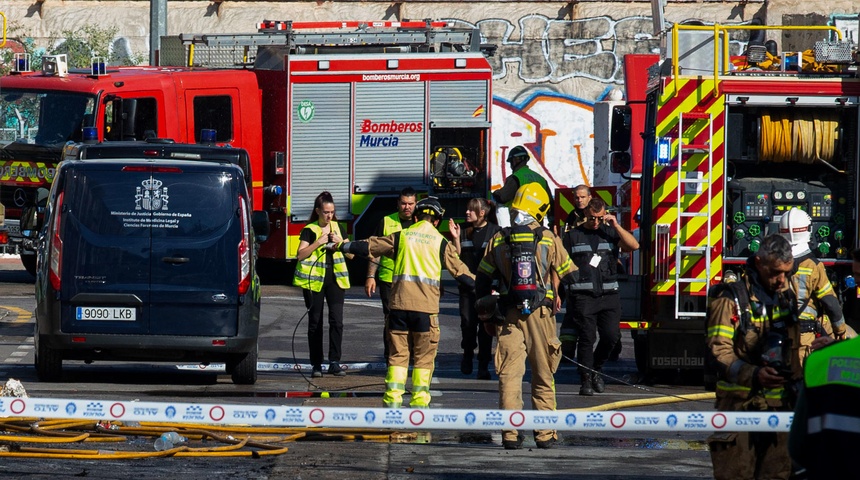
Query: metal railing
[[721, 65]]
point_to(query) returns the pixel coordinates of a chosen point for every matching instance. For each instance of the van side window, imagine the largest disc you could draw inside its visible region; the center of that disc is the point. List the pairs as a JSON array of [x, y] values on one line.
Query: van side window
[[214, 112], [131, 118]]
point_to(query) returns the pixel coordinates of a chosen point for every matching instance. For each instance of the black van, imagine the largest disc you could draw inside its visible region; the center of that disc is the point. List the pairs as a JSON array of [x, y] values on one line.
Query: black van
[[147, 253]]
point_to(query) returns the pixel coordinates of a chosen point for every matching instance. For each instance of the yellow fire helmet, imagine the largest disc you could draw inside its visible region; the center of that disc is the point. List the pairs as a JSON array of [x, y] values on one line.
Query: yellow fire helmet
[[531, 198]]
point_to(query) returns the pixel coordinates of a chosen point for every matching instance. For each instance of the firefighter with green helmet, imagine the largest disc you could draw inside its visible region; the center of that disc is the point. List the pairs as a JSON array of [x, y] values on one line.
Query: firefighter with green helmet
[[523, 258], [420, 253]]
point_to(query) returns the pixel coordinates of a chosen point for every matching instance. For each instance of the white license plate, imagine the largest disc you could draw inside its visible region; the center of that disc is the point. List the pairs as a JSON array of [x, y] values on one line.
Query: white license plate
[[124, 314]]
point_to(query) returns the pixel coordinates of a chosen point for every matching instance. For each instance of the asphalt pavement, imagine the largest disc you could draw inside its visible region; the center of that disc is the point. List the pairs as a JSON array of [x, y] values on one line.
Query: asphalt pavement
[[428, 455]]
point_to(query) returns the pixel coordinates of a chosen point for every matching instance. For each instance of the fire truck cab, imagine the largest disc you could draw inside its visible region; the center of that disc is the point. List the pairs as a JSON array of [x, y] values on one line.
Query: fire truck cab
[[727, 133], [43, 110]]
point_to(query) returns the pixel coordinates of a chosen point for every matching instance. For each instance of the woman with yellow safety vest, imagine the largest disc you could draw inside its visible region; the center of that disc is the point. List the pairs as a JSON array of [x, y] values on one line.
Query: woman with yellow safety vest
[[324, 278]]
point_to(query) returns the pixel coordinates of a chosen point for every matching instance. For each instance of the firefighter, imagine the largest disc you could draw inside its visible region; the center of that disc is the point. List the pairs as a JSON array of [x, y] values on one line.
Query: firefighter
[[522, 258], [751, 327], [819, 310], [825, 430], [420, 253], [593, 302], [471, 241], [323, 278], [380, 270], [518, 159]]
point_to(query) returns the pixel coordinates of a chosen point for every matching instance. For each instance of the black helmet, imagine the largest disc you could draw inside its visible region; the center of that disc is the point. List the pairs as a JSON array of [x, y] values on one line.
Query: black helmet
[[518, 153], [429, 206]]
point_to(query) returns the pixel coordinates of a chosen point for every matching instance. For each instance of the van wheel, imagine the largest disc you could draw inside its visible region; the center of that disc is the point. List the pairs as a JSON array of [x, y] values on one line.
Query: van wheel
[[49, 363], [245, 371], [29, 262]]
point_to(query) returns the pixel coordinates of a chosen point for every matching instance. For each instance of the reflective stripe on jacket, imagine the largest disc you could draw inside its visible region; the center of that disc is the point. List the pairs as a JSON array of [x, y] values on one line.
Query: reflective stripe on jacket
[[590, 279]]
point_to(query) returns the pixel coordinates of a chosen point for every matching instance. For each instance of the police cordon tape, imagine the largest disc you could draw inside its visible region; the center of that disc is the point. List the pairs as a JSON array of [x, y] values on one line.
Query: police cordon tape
[[395, 418], [288, 367]]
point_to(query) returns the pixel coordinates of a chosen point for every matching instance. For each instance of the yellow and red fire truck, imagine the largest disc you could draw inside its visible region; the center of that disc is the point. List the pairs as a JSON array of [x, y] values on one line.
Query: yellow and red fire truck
[[361, 109], [725, 133]]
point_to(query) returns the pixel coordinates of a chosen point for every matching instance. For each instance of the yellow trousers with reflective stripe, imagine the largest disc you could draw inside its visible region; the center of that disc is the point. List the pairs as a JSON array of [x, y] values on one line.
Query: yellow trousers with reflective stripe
[[425, 346], [529, 338], [395, 386]]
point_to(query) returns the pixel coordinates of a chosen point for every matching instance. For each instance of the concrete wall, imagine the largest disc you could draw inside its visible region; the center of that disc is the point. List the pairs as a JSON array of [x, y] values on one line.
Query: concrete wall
[[554, 59]]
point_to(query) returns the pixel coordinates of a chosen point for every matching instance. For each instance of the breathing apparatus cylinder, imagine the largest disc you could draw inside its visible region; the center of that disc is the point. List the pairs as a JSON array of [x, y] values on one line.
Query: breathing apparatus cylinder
[[523, 285]]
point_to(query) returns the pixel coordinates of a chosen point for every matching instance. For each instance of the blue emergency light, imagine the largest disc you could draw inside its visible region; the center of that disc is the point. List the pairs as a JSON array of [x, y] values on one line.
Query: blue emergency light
[[208, 135], [664, 151], [91, 135]]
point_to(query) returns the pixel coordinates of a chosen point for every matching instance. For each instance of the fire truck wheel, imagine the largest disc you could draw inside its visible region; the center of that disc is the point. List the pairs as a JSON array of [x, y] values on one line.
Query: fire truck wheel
[[29, 262]]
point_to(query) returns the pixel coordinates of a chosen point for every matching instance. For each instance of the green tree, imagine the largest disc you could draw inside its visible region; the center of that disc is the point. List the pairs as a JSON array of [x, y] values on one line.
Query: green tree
[[88, 42], [80, 46]]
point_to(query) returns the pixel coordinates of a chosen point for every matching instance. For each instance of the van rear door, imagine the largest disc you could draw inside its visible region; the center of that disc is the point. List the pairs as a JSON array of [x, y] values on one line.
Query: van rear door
[[151, 249], [194, 265], [106, 249]]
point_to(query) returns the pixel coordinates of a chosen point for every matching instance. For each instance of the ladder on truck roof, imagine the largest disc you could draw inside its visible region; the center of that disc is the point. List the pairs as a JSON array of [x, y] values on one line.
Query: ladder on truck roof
[[231, 50]]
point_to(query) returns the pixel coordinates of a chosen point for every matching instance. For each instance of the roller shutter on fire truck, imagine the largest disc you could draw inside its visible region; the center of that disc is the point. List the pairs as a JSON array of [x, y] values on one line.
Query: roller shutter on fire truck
[[390, 136], [320, 147], [453, 103]]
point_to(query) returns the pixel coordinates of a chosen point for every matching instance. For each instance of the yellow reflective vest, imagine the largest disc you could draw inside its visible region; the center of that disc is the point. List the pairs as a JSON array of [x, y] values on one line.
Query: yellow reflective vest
[[418, 259], [390, 224], [310, 272]]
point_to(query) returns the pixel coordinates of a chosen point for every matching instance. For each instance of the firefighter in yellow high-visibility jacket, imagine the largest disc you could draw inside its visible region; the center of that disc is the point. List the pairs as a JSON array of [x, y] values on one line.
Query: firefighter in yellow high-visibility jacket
[[420, 253]]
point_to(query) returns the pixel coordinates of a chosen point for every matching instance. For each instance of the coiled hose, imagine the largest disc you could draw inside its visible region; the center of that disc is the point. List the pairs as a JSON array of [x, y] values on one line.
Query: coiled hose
[[798, 136]]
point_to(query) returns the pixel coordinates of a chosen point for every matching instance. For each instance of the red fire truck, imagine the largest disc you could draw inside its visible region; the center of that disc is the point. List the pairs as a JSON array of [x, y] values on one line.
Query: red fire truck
[[361, 109], [717, 139]]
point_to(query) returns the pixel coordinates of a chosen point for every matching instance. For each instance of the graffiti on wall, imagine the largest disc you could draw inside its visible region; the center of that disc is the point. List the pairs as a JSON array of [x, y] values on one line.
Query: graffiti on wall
[[562, 68]]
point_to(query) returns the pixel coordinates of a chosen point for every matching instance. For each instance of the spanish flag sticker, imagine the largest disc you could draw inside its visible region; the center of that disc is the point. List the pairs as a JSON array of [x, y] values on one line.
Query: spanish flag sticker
[[478, 111]]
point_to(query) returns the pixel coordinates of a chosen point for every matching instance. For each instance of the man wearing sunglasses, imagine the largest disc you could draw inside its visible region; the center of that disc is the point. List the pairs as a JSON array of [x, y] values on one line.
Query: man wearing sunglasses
[[593, 302]]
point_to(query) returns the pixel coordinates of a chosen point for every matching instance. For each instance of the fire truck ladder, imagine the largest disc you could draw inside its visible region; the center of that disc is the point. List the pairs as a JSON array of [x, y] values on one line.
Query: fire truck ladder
[[343, 37], [698, 181]]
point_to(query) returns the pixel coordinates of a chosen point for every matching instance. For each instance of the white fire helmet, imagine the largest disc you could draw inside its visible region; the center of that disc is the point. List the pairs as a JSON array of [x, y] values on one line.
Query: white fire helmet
[[796, 226]]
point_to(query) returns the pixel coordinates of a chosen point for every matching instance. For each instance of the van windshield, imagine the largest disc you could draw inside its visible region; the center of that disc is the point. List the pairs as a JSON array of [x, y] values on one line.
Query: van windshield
[[161, 204], [43, 118]]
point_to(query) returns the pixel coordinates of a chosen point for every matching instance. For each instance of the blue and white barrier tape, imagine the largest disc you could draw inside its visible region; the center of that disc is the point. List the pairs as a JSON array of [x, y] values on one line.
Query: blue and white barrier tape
[[288, 367], [395, 418]]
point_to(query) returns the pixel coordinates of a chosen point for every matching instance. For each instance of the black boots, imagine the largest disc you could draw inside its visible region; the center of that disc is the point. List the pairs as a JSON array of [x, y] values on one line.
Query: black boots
[[484, 370], [466, 363], [597, 382], [586, 380]]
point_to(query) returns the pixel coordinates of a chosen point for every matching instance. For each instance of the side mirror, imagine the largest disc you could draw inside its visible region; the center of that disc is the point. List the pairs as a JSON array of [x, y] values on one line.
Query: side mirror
[[619, 162], [42, 197], [260, 224], [619, 136]]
